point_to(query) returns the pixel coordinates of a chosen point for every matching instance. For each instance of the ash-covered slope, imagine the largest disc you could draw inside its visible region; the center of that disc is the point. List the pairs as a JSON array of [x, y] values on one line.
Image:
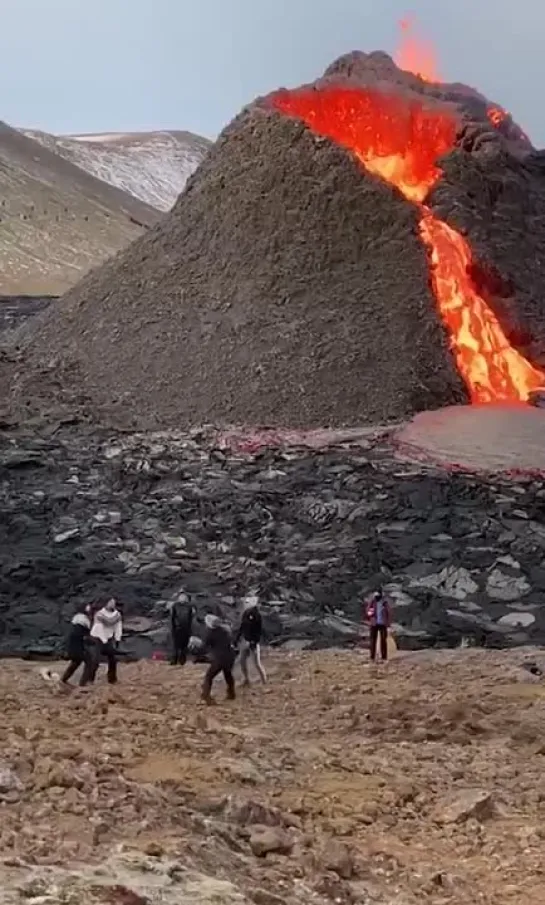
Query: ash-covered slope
[[152, 166], [286, 287], [56, 221]]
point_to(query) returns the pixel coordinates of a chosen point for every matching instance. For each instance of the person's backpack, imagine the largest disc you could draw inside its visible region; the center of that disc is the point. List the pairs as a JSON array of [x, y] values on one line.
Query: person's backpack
[[371, 608]]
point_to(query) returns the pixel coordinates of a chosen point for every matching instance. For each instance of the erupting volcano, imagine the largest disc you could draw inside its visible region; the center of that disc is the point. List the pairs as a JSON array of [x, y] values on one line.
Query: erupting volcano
[[402, 142], [350, 252]]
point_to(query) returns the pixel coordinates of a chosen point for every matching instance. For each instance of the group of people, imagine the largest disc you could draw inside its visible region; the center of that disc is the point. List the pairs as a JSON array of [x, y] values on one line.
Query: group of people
[[219, 646], [96, 634]]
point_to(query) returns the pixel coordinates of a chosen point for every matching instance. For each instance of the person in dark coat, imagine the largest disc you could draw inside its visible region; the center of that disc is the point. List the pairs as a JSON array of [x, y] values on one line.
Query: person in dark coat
[[78, 647], [181, 624], [221, 655], [249, 636], [377, 614], [106, 634]]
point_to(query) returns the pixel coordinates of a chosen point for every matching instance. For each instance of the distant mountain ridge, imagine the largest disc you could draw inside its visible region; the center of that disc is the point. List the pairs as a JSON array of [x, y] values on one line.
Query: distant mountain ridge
[[151, 166], [57, 221]]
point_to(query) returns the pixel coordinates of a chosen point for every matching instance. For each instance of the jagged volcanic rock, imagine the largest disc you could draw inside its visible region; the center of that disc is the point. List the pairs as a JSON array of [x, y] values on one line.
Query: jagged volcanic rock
[[313, 524], [303, 279]]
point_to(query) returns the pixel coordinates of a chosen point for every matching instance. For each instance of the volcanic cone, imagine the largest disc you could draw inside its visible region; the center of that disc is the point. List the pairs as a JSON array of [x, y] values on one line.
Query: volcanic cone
[[313, 271]]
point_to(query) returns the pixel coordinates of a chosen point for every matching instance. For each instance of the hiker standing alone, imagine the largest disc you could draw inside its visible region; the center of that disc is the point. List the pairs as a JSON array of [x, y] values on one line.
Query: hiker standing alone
[[106, 634], [249, 636], [377, 616], [181, 624]]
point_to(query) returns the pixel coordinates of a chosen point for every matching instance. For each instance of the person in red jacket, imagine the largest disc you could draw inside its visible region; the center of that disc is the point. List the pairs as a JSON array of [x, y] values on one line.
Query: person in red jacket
[[377, 616]]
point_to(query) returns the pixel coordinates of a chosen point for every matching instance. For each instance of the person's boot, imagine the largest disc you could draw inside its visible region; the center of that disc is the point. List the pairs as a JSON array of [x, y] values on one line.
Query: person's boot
[[206, 693], [231, 694]]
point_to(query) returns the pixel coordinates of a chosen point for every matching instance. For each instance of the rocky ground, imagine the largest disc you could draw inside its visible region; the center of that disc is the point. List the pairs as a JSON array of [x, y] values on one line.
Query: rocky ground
[[407, 784], [146, 517], [16, 309]]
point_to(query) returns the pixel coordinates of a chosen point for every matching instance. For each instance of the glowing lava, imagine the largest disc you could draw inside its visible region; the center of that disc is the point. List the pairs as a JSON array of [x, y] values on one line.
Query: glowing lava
[[400, 141], [415, 54], [418, 56], [496, 115]]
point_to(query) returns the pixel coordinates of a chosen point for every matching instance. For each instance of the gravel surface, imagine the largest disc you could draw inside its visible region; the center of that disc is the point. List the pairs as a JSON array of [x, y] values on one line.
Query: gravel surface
[[420, 783]]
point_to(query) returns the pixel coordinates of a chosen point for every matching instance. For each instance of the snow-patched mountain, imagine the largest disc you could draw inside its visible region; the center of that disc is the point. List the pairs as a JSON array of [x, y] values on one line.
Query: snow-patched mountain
[[57, 221], [152, 166]]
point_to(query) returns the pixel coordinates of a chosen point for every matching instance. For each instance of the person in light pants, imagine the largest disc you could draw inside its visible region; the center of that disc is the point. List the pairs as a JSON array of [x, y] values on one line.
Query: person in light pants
[[249, 638]]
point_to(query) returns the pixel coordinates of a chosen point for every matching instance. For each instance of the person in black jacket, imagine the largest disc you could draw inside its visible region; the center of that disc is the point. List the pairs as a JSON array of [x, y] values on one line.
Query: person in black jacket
[[79, 648], [221, 654], [181, 625], [249, 635]]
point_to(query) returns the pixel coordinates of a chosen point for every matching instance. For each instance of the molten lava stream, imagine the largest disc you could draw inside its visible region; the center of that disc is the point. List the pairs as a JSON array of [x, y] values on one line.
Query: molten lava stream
[[400, 141], [492, 369]]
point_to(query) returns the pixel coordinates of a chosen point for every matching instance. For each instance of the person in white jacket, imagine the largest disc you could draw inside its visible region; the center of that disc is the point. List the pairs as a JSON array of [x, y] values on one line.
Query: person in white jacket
[[106, 633]]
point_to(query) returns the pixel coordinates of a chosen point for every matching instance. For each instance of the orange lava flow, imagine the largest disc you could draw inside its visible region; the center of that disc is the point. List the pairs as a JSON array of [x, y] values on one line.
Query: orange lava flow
[[401, 142]]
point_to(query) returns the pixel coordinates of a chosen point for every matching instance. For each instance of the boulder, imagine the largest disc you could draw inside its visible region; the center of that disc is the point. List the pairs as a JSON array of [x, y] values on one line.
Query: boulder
[[265, 840], [473, 803]]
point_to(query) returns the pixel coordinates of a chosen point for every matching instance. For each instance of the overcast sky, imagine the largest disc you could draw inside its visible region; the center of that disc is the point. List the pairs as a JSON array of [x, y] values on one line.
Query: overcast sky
[[93, 65]]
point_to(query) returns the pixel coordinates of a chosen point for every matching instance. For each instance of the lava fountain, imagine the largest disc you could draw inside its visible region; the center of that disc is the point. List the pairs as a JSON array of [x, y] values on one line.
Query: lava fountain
[[416, 54], [401, 141]]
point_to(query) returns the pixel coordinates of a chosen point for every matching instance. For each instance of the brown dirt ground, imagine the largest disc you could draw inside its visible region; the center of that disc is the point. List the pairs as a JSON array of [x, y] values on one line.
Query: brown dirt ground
[[347, 755]]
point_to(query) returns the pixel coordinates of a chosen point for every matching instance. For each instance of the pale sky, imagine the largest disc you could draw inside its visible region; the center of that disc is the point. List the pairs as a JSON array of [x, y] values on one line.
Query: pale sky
[[108, 65]]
